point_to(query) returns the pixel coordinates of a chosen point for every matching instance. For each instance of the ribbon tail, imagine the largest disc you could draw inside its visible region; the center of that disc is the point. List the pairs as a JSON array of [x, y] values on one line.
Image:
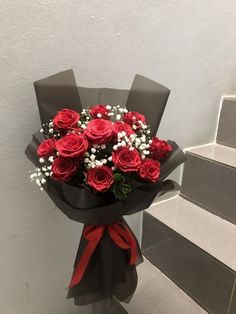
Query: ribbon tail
[[83, 263]]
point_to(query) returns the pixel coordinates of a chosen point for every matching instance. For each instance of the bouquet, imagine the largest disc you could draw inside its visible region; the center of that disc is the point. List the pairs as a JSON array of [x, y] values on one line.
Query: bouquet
[[97, 164]]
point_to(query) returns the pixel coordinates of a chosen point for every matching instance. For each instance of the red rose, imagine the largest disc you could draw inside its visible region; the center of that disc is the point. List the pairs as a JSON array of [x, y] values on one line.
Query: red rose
[[100, 178], [150, 170], [66, 119], [46, 148], [120, 126], [99, 111], [159, 148], [72, 145], [99, 131], [132, 117], [126, 160], [63, 169]]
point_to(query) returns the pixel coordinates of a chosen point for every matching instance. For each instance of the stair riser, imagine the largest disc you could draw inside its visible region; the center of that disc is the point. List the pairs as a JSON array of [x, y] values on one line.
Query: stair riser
[[191, 268], [226, 134], [210, 185]]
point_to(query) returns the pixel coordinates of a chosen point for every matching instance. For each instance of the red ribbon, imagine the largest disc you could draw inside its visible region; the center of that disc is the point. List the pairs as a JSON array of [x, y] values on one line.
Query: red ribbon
[[119, 233]]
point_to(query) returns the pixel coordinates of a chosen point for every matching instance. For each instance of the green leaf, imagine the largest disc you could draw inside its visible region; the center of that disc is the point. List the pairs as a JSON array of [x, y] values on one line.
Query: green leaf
[[121, 191], [118, 178]]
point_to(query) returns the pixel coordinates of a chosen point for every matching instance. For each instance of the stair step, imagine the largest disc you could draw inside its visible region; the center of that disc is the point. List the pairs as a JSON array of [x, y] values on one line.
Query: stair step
[[214, 235], [227, 126], [209, 180], [195, 249], [156, 294], [219, 153]]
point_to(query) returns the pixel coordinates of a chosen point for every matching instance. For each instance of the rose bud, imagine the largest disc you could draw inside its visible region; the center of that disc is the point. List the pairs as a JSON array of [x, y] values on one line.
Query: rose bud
[[159, 148], [46, 148], [99, 111], [99, 131], [126, 160], [100, 178], [72, 145], [66, 119], [150, 170], [63, 169]]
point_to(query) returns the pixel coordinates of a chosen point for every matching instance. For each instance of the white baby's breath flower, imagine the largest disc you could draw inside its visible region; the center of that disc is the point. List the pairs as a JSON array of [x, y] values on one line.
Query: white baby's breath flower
[[51, 158], [108, 107], [43, 181], [115, 147], [123, 143], [41, 160], [99, 115], [103, 146], [98, 163], [92, 157], [110, 158], [93, 150]]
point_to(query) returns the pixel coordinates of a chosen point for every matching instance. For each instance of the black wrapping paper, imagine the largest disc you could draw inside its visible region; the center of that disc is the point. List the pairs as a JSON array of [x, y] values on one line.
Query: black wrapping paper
[[108, 273]]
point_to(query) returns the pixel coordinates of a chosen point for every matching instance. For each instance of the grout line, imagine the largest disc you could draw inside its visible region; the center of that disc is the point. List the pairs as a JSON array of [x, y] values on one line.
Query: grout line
[[163, 201], [233, 97], [197, 146], [218, 118]]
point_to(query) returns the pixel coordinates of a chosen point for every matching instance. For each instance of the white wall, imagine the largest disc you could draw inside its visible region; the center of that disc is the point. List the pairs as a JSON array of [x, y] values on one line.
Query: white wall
[[189, 46]]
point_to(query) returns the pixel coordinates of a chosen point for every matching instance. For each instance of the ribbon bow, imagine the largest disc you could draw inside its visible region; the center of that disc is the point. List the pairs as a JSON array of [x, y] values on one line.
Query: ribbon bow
[[119, 233]]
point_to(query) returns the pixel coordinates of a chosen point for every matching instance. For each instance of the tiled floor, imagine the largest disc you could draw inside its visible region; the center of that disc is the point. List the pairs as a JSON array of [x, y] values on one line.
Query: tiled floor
[[219, 153], [156, 294], [211, 233]]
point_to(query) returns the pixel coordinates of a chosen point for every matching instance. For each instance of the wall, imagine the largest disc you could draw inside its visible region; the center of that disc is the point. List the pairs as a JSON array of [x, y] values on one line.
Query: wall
[[189, 46]]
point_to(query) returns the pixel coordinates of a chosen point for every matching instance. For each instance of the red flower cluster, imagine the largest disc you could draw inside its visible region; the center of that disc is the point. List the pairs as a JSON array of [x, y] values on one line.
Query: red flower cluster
[[101, 143]]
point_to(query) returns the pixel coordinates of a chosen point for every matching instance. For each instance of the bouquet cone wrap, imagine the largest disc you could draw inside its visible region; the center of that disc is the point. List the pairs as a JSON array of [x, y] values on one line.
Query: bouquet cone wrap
[[108, 253]]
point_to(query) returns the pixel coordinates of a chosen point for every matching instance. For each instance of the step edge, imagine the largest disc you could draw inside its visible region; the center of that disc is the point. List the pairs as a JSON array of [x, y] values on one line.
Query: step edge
[[206, 208], [181, 287], [232, 269], [211, 159]]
